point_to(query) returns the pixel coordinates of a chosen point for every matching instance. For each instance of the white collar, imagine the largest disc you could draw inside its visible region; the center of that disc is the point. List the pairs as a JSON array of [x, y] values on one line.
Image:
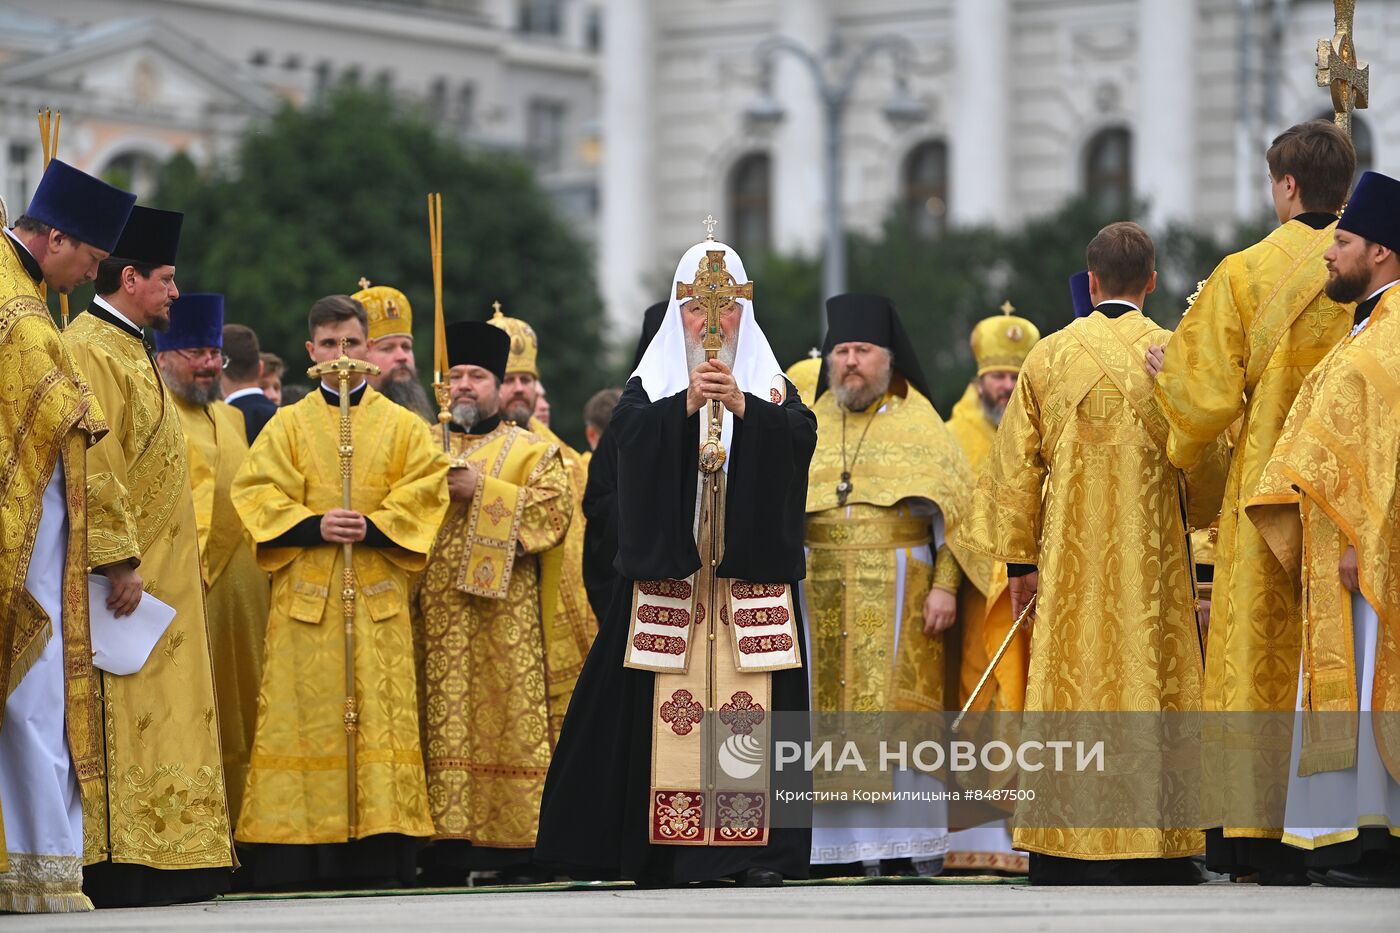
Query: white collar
[[1381, 289], [335, 389], [240, 393], [110, 309]]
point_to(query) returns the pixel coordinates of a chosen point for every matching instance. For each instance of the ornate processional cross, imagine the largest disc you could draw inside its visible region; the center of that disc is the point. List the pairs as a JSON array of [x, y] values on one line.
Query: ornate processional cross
[[1339, 69], [714, 287]]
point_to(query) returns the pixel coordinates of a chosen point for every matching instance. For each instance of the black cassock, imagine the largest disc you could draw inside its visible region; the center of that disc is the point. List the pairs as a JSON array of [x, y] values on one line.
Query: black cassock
[[593, 818], [600, 533]]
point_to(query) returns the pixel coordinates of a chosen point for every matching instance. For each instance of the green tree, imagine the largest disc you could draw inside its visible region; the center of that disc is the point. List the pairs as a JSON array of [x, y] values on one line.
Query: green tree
[[319, 197]]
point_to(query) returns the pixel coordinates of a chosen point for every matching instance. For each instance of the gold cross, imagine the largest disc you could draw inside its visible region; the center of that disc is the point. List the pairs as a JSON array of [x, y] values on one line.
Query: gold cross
[[710, 224], [1007, 307], [1103, 401], [1339, 69], [364, 283], [714, 287], [1318, 319]]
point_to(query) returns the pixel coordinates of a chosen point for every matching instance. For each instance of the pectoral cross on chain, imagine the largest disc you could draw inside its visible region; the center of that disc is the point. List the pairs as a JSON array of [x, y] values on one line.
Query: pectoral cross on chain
[[1339, 69]]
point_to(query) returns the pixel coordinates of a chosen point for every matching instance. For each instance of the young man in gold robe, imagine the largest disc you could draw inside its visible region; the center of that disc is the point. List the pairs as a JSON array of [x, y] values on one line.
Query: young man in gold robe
[[1257, 327], [288, 493], [888, 484], [999, 347], [50, 730], [236, 593], [1078, 497], [161, 834], [1328, 505], [570, 625], [479, 614]]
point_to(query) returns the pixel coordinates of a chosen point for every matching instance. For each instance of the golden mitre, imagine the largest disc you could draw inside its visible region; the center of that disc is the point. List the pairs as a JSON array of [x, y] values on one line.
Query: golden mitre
[[1000, 343], [524, 346], [388, 309]]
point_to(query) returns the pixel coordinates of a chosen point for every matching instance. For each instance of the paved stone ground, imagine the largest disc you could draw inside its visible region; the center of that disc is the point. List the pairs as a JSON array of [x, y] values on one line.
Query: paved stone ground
[[849, 909]]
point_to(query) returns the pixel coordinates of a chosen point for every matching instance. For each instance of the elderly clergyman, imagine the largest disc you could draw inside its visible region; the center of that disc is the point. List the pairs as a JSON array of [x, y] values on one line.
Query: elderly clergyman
[[701, 645]]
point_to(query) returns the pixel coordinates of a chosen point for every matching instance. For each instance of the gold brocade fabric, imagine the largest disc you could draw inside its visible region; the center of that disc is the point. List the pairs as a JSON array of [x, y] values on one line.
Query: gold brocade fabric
[[986, 620], [237, 590], [1332, 482], [569, 621], [1258, 326], [488, 716], [1078, 483], [296, 791], [48, 418], [859, 662], [165, 803]]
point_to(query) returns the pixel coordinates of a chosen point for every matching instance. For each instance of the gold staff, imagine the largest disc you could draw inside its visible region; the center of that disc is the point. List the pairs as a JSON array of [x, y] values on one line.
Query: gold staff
[[49, 123], [1338, 68], [343, 369], [440, 366], [996, 659]]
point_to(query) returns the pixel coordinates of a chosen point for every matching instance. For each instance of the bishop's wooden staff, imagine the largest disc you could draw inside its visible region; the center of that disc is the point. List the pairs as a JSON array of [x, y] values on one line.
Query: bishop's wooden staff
[[343, 369]]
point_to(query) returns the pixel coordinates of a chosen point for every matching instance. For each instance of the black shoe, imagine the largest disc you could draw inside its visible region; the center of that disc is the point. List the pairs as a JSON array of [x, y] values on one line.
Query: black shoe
[[1283, 879], [1359, 876], [516, 877], [839, 870], [759, 878], [897, 868]]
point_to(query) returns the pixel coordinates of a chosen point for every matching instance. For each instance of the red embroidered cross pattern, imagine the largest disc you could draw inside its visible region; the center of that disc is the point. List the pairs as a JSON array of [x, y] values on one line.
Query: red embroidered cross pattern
[[741, 713], [682, 712]]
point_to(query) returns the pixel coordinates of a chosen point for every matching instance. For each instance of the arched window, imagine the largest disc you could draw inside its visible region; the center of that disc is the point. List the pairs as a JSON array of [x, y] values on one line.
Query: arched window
[[1108, 170], [137, 172], [925, 195], [750, 202]]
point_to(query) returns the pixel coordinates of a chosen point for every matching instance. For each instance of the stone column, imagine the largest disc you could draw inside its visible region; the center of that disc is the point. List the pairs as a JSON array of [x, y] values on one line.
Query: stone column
[[797, 143], [625, 246], [980, 143], [1164, 137]]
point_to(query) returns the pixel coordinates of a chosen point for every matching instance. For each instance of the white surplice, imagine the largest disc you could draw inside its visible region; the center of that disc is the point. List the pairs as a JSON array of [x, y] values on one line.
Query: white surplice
[[38, 783]]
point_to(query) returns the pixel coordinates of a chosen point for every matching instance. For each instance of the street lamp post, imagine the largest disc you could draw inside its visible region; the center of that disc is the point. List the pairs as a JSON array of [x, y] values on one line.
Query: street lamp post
[[834, 87]]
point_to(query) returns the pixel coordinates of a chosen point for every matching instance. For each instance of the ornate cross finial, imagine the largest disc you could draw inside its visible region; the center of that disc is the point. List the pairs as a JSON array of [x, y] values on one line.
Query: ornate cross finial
[[364, 283], [1007, 307], [1338, 68], [496, 307], [710, 223]]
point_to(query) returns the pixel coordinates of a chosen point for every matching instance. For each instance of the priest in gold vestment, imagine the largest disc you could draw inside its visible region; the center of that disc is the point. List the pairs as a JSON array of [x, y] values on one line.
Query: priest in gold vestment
[[1078, 497], [999, 347], [288, 493], [50, 739], [1328, 505], [391, 348], [888, 484], [161, 833], [478, 612], [1256, 328], [236, 588], [568, 618]]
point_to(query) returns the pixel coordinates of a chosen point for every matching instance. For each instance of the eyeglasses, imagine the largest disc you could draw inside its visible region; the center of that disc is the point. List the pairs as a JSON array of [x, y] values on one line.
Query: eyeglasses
[[208, 354]]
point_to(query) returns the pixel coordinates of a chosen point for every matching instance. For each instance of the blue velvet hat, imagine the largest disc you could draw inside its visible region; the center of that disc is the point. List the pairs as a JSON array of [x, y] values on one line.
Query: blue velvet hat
[[196, 321], [1374, 210], [151, 236], [87, 209], [1079, 294]]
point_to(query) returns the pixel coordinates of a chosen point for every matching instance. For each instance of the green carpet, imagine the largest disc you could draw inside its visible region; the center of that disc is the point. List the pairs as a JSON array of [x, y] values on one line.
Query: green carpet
[[607, 886]]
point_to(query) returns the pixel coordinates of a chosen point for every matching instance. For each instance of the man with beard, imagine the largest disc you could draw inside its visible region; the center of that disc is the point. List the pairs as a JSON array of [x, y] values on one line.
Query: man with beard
[[999, 347], [189, 353], [568, 620], [1329, 507], [290, 497], [391, 348], [50, 731], [1078, 498], [478, 615], [162, 726], [1256, 328], [888, 486], [634, 790], [244, 372]]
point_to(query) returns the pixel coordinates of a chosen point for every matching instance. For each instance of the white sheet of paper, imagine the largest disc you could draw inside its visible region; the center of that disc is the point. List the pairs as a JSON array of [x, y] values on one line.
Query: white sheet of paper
[[121, 646]]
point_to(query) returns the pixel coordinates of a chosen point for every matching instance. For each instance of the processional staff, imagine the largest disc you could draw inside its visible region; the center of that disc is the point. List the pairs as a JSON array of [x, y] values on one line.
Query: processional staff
[[343, 369], [441, 390], [1339, 69], [49, 123]]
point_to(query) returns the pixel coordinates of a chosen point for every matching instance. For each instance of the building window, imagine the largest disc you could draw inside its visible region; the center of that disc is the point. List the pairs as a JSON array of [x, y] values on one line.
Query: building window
[[1108, 170], [137, 172], [437, 100], [541, 17], [926, 189], [464, 107], [19, 178], [321, 79], [750, 202], [544, 135]]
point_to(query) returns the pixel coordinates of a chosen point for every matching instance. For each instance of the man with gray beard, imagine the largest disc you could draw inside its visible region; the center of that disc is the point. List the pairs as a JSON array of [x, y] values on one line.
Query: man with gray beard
[[478, 617], [190, 356]]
